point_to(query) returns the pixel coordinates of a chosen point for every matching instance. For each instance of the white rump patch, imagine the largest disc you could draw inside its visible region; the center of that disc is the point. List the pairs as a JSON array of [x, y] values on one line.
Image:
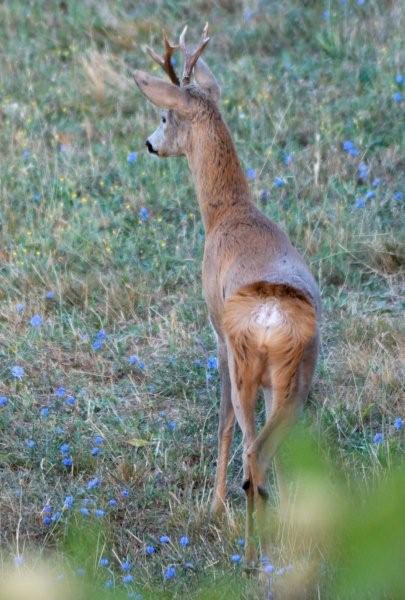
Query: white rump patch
[[268, 315]]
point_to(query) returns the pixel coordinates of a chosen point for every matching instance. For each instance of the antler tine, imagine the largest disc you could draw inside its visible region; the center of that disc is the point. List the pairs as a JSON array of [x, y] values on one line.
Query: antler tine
[[190, 58], [165, 61]]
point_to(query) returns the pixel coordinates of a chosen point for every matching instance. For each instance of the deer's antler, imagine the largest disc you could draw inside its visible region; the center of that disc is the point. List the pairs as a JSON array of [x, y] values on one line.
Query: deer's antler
[[190, 58], [165, 61]]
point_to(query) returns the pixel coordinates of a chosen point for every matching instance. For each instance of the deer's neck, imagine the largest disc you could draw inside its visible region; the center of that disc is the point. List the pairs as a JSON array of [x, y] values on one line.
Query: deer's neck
[[219, 179]]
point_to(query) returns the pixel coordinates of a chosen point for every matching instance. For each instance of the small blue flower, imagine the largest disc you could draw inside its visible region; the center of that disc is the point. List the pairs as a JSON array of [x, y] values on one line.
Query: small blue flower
[[370, 195], [20, 307], [44, 412], [36, 197], [144, 214], [3, 401], [103, 562], [69, 401], [67, 461], [64, 448], [236, 558], [68, 503], [109, 584], [50, 295], [47, 520], [251, 174], [170, 572], [398, 423], [56, 517], [360, 202], [212, 363], [378, 438], [376, 182], [399, 196], [60, 392], [84, 511], [133, 360], [30, 444], [164, 539], [362, 171], [184, 541], [326, 14], [150, 549], [36, 321], [399, 79], [361, 2], [59, 430], [349, 147], [279, 182], [240, 542], [95, 451], [47, 510], [93, 483], [171, 425], [26, 154], [132, 157], [17, 372], [126, 566], [287, 159], [97, 344], [19, 561], [99, 440], [99, 512], [397, 97], [127, 579], [125, 493], [113, 503], [268, 568]]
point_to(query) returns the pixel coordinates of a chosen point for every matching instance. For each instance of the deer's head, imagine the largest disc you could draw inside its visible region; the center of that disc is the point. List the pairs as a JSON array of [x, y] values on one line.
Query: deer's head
[[183, 104]]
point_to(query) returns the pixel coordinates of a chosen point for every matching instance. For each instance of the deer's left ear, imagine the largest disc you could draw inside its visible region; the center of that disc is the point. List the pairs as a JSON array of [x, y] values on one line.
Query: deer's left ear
[[164, 94]]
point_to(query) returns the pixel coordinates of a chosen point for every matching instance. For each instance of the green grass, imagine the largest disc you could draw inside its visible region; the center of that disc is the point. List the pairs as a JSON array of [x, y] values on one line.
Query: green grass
[[293, 82]]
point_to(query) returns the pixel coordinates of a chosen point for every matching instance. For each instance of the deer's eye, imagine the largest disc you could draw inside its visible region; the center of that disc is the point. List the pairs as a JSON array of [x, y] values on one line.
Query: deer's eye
[[163, 119]]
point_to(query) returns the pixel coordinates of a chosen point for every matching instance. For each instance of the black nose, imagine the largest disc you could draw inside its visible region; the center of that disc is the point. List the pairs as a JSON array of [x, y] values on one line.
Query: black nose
[[150, 147]]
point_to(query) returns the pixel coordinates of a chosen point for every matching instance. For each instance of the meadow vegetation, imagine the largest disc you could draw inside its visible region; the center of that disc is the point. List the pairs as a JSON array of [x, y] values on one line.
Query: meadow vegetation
[[108, 376]]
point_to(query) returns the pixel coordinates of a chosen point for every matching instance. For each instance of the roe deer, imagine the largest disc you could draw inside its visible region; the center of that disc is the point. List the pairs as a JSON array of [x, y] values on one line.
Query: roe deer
[[263, 301]]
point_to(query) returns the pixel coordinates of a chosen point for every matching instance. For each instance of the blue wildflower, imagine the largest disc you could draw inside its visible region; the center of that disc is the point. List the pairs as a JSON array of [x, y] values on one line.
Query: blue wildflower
[[144, 214], [99, 512], [126, 566], [398, 423], [47, 509], [279, 182], [59, 430], [127, 579], [133, 360], [212, 362], [150, 549], [125, 493], [184, 541], [326, 14], [376, 182], [251, 174], [378, 438], [60, 392], [99, 340], [171, 425], [84, 511], [17, 372], [70, 401], [398, 196], [132, 157], [164, 539], [240, 542], [95, 451], [26, 154], [56, 517], [103, 562], [287, 159], [350, 147], [47, 520], [67, 461], [20, 307], [399, 79], [236, 558], [3, 401], [268, 568], [361, 2], [93, 483], [370, 195], [30, 444], [36, 321], [113, 503], [248, 14], [397, 97], [64, 448], [170, 572], [44, 412], [109, 584], [99, 440], [19, 561], [360, 202], [36, 197], [362, 171], [50, 295], [68, 503]]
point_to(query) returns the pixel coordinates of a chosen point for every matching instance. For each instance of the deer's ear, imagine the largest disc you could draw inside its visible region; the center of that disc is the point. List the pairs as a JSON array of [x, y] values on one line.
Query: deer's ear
[[206, 79], [164, 94]]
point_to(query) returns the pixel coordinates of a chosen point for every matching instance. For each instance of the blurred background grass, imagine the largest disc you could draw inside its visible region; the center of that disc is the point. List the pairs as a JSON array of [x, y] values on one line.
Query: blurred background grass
[[80, 254]]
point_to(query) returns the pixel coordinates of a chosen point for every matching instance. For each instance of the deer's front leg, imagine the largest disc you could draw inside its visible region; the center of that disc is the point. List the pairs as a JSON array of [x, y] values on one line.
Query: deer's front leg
[[225, 432]]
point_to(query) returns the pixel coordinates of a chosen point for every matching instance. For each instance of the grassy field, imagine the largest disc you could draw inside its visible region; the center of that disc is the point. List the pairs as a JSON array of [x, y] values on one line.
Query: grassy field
[[108, 382]]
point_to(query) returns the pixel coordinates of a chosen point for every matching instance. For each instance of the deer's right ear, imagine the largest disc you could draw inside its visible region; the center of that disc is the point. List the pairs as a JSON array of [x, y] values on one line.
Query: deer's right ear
[[164, 94]]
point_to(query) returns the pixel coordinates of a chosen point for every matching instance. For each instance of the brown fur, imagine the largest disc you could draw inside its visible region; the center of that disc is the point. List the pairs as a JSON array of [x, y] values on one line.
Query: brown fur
[[262, 299]]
